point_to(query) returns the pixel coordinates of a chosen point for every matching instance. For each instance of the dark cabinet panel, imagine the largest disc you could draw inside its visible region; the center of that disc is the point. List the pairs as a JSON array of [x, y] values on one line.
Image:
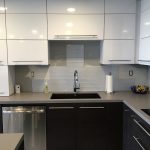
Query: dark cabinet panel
[[61, 131], [92, 127], [127, 129], [115, 126], [136, 131], [84, 126]]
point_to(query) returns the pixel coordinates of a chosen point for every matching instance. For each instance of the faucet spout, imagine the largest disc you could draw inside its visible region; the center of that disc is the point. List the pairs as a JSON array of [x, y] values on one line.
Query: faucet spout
[[76, 81]]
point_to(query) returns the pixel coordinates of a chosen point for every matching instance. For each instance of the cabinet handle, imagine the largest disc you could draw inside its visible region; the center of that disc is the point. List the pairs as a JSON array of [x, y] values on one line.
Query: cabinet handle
[[144, 60], [141, 127], [1, 92], [75, 36], [138, 142], [61, 107], [120, 60], [126, 110], [91, 107], [27, 61]]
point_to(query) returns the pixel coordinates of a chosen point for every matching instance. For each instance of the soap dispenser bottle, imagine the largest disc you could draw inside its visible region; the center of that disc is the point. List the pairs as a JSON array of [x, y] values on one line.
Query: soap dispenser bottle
[[46, 87]]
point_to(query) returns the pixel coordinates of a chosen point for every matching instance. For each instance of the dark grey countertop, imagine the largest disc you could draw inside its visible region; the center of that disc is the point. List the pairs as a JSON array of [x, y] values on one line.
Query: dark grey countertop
[[10, 141], [135, 101]]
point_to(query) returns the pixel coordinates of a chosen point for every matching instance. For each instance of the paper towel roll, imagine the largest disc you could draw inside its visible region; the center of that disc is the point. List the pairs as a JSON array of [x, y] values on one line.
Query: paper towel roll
[[109, 83]]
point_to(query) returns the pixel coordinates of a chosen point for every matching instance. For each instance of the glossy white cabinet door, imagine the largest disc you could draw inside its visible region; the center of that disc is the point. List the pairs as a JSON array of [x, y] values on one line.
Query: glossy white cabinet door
[[118, 52], [145, 24], [120, 26], [27, 52], [2, 27], [75, 25], [145, 4], [144, 51], [120, 6], [3, 52], [81, 6], [25, 6], [2, 9], [26, 26], [7, 78]]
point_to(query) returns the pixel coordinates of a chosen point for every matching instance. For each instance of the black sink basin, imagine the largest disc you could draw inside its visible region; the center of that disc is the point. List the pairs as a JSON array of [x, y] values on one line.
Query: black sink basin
[[147, 111], [75, 96]]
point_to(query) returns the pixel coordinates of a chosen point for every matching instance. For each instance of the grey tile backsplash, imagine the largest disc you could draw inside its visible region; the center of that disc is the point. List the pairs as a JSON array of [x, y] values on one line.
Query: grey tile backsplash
[[92, 78]]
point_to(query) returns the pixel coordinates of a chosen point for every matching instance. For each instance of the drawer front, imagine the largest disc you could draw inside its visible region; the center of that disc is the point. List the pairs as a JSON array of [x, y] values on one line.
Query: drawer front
[[141, 132]]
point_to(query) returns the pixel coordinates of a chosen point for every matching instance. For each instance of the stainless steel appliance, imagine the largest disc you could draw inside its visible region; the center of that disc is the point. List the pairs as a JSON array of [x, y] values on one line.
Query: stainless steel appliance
[[30, 120]]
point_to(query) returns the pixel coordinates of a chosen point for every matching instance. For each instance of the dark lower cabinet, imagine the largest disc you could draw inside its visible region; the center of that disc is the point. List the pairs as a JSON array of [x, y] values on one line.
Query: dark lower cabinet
[[136, 131], [115, 126], [61, 127], [84, 126], [92, 127]]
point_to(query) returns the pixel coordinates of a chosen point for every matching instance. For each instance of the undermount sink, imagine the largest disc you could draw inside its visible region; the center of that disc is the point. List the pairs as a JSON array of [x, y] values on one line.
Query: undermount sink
[[75, 96]]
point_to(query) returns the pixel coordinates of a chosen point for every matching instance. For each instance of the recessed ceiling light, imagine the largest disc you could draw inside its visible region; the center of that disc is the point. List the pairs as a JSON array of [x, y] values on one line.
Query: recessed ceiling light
[[71, 10]]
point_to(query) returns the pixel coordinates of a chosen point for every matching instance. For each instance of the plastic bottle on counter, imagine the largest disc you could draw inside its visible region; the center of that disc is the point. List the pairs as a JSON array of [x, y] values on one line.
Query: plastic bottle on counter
[[109, 83], [46, 90]]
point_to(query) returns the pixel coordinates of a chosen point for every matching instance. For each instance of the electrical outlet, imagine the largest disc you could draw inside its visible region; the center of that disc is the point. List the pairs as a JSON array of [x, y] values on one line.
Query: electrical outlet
[[32, 74], [131, 73]]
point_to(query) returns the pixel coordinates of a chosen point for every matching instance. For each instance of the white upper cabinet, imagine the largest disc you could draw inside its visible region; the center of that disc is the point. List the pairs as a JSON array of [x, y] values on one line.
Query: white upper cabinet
[[145, 24], [145, 4], [27, 52], [120, 6], [67, 25], [7, 79], [4, 82], [25, 6], [2, 27], [144, 51], [2, 8], [26, 26], [75, 6], [3, 52], [120, 26], [118, 52]]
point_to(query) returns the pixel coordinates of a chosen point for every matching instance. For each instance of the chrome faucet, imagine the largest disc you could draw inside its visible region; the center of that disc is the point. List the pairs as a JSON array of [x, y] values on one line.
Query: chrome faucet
[[76, 81]]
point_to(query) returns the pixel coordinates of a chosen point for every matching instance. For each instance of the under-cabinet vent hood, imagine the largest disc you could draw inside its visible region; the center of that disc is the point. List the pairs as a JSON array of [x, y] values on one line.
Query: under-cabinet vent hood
[[76, 37]]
